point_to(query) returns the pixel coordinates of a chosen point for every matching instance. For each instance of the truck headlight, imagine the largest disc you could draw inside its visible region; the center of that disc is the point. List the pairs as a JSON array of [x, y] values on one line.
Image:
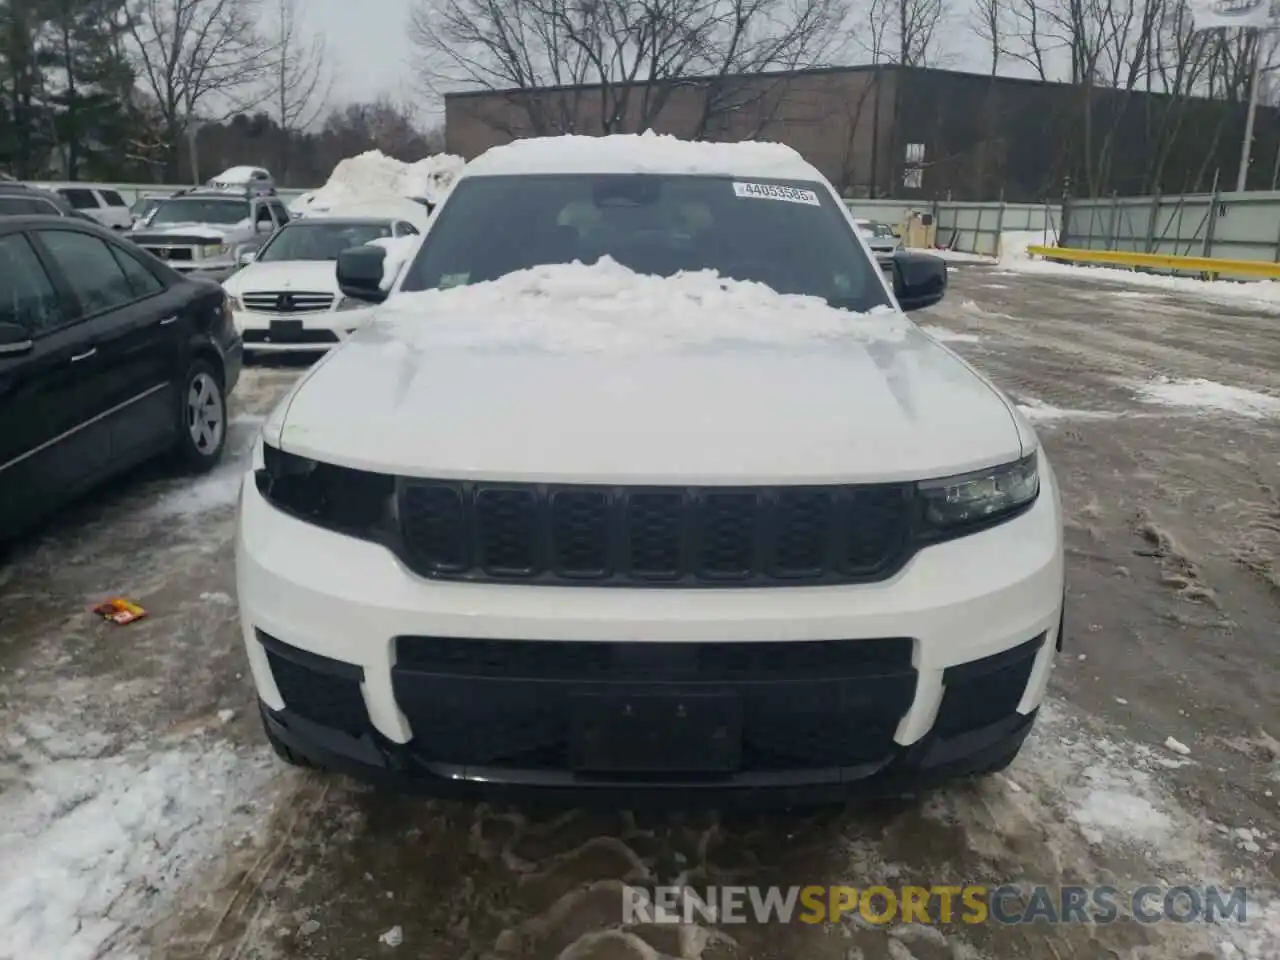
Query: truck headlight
[[952, 504], [211, 250]]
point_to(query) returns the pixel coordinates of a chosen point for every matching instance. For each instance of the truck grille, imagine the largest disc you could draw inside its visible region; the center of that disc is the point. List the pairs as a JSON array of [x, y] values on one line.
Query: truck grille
[[287, 301], [170, 253], [651, 535]]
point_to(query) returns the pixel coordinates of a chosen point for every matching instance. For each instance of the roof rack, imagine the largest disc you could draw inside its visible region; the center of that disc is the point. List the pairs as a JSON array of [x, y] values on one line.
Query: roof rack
[[237, 190]]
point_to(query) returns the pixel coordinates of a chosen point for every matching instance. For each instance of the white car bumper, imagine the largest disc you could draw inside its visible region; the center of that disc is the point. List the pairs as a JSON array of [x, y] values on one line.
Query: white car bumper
[[312, 332], [976, 622]]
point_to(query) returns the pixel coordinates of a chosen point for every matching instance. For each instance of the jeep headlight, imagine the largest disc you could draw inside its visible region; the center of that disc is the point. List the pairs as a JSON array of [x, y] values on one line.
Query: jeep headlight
[[980, 497], [355, 502]]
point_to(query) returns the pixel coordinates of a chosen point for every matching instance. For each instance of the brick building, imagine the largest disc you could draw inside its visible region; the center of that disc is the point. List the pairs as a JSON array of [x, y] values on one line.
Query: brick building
[[909, 132]]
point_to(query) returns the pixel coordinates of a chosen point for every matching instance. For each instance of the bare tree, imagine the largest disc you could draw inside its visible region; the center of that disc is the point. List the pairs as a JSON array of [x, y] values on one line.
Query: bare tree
[[634, 54], [905, 32], [196, 56], [300, 82], [986, 21]]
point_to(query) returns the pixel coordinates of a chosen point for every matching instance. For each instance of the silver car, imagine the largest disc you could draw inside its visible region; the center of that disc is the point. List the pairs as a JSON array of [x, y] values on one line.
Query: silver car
[[880, 238]]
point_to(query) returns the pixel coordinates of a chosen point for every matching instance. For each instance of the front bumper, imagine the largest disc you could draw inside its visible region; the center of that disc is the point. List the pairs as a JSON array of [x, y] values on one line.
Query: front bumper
[[320, 331], [466, 689]]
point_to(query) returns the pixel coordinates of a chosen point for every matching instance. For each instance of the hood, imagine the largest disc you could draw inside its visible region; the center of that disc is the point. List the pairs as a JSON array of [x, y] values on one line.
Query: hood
[[593, 374], [200, 231], [310, 275]]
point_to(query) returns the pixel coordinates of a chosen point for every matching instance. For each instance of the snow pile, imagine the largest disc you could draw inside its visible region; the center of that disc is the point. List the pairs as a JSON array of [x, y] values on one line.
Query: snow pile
[[373, 176], [400, 251], [95, 846], [1206, 395], [945, 335], [605, 307], [1037, 411]]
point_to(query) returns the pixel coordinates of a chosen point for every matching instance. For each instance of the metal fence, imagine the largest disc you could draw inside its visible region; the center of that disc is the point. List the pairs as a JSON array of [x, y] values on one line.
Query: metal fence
[[1231, 226], [131, 191], [972, 227]]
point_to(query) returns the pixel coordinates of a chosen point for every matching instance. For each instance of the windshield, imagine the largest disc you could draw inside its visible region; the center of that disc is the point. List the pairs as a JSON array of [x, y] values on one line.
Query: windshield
[[317, 240], [201, 210], [791, 235], [873, 228], [144, 205]]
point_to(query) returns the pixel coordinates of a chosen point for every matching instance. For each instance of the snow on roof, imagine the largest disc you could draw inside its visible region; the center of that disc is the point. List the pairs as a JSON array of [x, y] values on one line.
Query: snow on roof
[[239, 174], [607, 308], [390, 208], [642, 153]]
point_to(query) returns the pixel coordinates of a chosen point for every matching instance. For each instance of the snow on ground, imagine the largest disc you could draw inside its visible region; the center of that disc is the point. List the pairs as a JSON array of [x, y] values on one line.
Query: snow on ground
[[373, 175], [94, 844], [943, 335], [593, 308], [1037, 411], [1206, 395]]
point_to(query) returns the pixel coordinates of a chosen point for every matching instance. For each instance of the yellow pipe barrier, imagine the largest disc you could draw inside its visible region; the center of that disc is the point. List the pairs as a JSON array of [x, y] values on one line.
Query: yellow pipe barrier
[[1160, 261]]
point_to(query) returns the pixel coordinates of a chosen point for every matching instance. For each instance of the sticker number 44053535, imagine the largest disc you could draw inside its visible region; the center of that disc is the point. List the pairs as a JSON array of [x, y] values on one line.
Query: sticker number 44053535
[[772, 191]]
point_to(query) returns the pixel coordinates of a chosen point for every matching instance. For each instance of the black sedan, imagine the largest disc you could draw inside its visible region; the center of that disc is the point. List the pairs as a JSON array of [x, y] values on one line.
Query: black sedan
[[107, 358]]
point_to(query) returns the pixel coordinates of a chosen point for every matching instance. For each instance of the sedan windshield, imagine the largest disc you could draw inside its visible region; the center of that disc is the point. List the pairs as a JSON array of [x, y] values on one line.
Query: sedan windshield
[[317, 240], [790, 235], [201, 210]]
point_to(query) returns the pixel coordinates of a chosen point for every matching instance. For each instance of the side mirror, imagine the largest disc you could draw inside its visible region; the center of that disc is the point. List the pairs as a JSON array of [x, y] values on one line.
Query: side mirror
[[15, 339], [247, 257], [263, 226], [360, 273], [919, 280]]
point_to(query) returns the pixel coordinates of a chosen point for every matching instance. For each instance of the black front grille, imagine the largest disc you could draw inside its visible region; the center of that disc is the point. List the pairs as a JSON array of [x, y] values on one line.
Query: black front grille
[[298, 336], [171, 253], [651, 535], [508, 703]]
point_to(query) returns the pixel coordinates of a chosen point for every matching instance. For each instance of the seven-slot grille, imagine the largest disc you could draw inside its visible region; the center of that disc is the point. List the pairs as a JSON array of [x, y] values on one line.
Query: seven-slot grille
[[652, 535], [287, 301]]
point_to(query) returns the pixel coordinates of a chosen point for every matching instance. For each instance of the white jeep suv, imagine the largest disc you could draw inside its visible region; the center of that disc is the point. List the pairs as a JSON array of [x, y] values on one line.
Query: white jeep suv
[[640, 481]]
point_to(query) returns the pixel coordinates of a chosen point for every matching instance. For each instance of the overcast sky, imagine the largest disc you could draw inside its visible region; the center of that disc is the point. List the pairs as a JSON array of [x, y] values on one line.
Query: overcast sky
[[368, 45]]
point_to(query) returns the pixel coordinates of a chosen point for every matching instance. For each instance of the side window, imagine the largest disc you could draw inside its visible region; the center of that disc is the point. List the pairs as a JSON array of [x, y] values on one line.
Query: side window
[[26, 294], [44, 207], [280, 213], [90, 268], [264, 215], [406, 229], [80, 198], [15, 206], [142, 281], [113, 198]]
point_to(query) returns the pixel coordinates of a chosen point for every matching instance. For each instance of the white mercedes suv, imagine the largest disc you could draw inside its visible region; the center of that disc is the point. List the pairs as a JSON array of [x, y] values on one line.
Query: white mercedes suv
[[640, 482]]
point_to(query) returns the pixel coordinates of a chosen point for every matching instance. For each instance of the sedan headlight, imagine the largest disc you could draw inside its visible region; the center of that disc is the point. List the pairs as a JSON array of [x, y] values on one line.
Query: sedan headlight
[[952, 504], [355, 502], [349, 303]]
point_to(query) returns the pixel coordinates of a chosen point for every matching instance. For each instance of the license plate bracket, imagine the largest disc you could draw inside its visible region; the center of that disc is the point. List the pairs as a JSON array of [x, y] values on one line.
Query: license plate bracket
[[656, 733], [285, 331]]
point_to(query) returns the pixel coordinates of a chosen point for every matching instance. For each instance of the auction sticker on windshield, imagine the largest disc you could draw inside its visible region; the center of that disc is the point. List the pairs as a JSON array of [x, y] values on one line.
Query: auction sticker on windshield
[[772, 191]]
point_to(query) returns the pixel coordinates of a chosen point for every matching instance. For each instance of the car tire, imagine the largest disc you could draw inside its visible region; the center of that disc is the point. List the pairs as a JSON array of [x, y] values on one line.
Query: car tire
[[202, 417]]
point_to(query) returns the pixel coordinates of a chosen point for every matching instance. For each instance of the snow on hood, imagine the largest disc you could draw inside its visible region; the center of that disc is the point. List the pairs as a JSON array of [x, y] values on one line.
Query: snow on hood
[[316, 276], [375, 176], [605, 307], [595, 374]]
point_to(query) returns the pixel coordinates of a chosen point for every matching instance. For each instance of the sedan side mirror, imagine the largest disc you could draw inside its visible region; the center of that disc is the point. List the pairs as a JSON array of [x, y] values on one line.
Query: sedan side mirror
[[247, 257], [15, 339], [360, 273], [919, 280]]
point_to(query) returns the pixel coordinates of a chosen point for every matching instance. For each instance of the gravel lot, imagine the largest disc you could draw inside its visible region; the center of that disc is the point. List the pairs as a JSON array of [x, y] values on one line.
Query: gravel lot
[[142, 815]]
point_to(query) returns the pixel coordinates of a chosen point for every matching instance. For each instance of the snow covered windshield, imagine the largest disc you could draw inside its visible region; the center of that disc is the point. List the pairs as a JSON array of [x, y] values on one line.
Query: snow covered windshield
[[789, 235], [201, 210], [317, 240]]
